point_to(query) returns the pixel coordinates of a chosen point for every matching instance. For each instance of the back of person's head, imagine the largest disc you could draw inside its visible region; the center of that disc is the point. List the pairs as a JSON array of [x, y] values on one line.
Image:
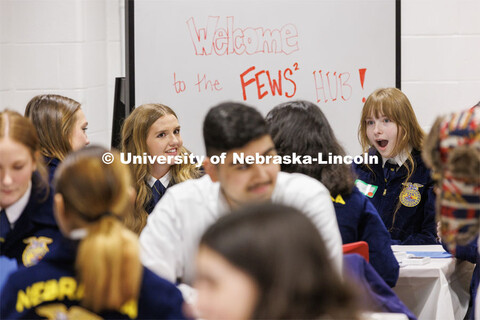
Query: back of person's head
[[54, 117], [393, 104], [21, 130], [97, 196], [230, 126], [301, 127], [282, 251], [452, 151]]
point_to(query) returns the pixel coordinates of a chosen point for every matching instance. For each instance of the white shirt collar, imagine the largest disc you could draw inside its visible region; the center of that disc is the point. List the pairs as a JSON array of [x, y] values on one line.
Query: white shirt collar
[[15, 210], [78, 234], [399, 159], [165, 180]]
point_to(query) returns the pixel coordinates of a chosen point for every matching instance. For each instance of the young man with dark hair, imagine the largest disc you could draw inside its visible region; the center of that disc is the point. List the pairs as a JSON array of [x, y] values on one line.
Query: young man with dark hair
[[170, 238]]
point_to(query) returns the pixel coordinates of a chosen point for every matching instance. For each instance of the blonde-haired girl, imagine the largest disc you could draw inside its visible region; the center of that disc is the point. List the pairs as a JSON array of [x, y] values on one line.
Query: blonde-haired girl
[[153, 129], [96, 271], [399, 185]]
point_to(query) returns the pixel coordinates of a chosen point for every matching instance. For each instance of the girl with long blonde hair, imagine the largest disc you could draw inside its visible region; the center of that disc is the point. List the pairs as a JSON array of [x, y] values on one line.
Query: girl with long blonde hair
[[153, 129], [95, 272], [399, 185]]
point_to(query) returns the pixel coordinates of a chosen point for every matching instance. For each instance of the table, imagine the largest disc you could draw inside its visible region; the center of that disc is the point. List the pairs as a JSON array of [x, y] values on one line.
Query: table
[[436, 290]]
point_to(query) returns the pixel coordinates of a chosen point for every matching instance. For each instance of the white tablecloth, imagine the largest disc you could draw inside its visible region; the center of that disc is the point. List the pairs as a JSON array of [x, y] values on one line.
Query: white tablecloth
[[436, 290]]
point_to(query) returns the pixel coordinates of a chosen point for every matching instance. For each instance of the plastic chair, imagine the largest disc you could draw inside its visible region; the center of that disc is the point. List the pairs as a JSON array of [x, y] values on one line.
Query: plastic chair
[[359, 247]]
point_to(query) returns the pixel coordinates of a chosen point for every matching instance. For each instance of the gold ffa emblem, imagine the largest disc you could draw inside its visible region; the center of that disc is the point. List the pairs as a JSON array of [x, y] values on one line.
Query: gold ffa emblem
[[59, 311], [35, 250], [410, 196]]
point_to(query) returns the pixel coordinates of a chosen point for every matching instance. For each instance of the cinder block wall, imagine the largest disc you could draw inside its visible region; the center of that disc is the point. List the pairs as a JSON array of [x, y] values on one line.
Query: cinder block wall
[[68, 47], [440, 56]]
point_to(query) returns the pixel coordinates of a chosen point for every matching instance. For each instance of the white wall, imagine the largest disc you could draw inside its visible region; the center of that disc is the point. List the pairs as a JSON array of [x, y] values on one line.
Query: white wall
[[74, 48], [68, 47], [440, 56]]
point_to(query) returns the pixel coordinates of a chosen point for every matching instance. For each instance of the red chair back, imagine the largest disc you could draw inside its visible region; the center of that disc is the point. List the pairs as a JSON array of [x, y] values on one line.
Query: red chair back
[[360, 247]]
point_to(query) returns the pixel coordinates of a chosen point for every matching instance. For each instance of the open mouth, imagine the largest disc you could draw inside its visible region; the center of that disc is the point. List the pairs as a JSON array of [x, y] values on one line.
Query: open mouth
[[171, 151], [382, 143]]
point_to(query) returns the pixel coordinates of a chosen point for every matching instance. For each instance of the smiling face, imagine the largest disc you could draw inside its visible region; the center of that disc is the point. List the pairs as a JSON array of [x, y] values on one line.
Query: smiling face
[[224, 291], [163, 139], [382, 134], [244, 183], [79, 137], [16, 168]]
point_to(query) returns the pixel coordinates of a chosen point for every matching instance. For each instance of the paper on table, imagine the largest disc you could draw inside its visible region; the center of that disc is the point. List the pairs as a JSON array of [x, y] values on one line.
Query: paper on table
[[431, 254]]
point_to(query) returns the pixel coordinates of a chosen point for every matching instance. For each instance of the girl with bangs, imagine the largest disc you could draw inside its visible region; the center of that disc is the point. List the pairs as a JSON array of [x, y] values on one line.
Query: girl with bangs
[[61, 127], [27, 227], [399, 185], [153, 129]]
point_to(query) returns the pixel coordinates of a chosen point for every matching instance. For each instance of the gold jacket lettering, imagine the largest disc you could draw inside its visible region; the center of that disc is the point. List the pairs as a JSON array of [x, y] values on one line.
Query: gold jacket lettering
[[59, 290]]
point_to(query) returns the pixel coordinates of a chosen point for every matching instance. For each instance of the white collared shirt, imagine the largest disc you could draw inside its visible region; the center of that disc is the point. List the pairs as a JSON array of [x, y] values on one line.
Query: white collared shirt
[[165, 180], [15, 210], [170, 239], [78, 234], [399, 159]]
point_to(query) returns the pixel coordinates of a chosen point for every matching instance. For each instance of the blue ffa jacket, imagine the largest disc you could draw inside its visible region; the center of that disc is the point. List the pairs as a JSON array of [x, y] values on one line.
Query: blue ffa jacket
[[414, 222], [470, 253], [35, 233], [358, 220], [52, 164], [374, 292], [150, 205], [51, 289]]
